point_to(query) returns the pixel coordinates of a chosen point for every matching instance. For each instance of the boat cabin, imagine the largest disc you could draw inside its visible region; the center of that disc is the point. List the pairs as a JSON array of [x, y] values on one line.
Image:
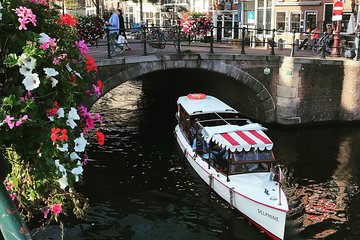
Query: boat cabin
[[220, 136]]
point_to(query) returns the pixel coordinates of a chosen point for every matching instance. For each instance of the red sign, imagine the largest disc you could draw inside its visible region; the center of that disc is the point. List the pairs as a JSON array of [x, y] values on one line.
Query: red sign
[[338, 8]]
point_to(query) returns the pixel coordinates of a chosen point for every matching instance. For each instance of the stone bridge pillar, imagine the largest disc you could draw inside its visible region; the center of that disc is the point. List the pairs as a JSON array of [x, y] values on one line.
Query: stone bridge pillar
[[288, 92]]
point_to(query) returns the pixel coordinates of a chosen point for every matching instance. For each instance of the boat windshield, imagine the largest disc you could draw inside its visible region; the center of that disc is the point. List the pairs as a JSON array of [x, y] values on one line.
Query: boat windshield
[[250, 161]]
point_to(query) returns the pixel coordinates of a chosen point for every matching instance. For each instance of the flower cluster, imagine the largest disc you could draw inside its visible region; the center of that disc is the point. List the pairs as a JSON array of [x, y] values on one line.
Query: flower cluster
[[197, 24], [45, 75], [91, 28]]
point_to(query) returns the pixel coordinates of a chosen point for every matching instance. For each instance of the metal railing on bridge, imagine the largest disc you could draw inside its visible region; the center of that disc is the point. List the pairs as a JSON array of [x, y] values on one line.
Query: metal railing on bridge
[[152, 38]]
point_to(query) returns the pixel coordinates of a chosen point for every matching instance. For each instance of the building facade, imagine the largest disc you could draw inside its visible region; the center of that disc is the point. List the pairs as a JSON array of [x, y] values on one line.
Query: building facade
[[285, 16]]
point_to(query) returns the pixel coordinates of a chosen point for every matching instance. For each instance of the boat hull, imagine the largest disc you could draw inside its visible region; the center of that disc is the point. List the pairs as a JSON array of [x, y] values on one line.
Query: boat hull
[[269, 218]]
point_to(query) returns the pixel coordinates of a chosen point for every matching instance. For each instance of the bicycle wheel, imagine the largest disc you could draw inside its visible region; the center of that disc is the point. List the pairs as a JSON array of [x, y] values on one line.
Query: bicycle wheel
[[152, 43], [317, 48]]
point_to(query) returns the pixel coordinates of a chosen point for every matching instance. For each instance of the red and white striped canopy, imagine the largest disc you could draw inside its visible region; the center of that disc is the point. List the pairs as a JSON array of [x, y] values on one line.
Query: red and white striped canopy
[[238, 138]]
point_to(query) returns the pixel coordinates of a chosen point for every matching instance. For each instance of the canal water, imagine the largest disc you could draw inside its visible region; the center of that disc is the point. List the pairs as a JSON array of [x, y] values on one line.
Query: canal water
[[140, 186]]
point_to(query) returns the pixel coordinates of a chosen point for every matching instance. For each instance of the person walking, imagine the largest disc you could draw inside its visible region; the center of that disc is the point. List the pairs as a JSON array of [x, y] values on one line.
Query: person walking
[[114, 27], [122, 29]]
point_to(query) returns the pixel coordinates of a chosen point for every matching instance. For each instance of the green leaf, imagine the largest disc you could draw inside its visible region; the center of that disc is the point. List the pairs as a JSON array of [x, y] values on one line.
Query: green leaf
[[11, 60]]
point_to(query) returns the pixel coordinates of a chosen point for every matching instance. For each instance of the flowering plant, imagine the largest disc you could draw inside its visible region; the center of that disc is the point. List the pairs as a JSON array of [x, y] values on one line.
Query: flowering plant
[[45, 74], [197, 23], [91, 28]]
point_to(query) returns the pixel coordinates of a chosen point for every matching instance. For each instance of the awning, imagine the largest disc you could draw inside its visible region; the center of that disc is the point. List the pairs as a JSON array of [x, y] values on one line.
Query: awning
[[238, 138]]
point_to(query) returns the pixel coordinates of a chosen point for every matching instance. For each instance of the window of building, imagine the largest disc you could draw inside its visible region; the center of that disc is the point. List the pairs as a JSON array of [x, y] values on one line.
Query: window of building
[[310, 20], [295, 21], [264, 15], [280, 21], [249, 6]]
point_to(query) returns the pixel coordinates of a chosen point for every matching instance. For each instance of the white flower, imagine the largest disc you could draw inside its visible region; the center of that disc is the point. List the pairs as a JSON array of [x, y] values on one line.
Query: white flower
[[23, 57], [77, 171], [44, 38], [50, 72], [60, 167], [71, 70], [54, 82], [78, 74], [24, 70], [30, 63], [73, 114], [80, 143], [74, 156], [63, 182], [71, 123], [31, 81], [68, 68], [60, 112], [64, 147]]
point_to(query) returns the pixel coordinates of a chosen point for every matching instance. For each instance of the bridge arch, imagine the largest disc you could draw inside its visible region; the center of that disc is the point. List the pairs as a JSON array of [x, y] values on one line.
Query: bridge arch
[[139, 69]]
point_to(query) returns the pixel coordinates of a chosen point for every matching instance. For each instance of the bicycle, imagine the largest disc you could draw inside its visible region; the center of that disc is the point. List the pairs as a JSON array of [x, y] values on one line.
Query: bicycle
[[325, 39], [158, 39], [317, 48]]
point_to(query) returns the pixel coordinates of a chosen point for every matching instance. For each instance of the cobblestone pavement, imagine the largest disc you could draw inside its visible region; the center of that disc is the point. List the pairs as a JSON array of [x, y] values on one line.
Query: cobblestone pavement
[[137, 49]]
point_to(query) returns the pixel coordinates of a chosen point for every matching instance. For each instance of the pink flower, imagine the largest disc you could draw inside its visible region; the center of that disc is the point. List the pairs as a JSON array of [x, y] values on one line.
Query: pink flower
[[46, 212], [56, 61], [25, 16], [19, 122], [98, 118], [85, 159], [12, 196], [44, 46], [52, 42], [56, 208], [9, 121], [83, 49]]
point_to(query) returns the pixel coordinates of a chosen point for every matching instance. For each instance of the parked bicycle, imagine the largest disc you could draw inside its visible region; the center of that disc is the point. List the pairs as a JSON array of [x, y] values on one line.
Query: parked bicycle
[[326, 41], [157, 38]]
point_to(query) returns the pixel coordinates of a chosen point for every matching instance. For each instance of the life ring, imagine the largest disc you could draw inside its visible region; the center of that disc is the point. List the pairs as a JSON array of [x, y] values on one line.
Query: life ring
[[196, 96]]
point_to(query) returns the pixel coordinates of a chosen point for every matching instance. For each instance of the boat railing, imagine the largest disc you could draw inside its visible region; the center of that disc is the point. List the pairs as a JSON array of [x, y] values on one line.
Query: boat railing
[[223, 121]]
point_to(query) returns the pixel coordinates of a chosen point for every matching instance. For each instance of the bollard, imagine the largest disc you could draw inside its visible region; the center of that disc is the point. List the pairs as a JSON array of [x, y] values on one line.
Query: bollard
[[280, 44], [293, 45], [243, 41], [11, 224], [212, 40], [323, 47], [144, 38], [108, 42], [297, 44], [273, 42], [179, 36]]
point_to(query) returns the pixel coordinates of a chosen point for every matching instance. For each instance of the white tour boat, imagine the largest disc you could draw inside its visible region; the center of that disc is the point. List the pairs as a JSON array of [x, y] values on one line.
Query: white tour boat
[[234, 157]]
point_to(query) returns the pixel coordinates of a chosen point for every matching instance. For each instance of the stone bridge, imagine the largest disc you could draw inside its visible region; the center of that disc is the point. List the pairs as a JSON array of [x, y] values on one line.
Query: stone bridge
[[280, 89]]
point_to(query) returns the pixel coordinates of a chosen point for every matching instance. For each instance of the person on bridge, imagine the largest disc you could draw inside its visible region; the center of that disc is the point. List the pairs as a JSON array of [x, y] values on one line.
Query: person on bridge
[[122, 30], [114, 27]]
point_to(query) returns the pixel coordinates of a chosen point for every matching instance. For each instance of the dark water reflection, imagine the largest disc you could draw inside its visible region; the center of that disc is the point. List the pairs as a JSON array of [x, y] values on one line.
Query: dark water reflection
[[141, 188]]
